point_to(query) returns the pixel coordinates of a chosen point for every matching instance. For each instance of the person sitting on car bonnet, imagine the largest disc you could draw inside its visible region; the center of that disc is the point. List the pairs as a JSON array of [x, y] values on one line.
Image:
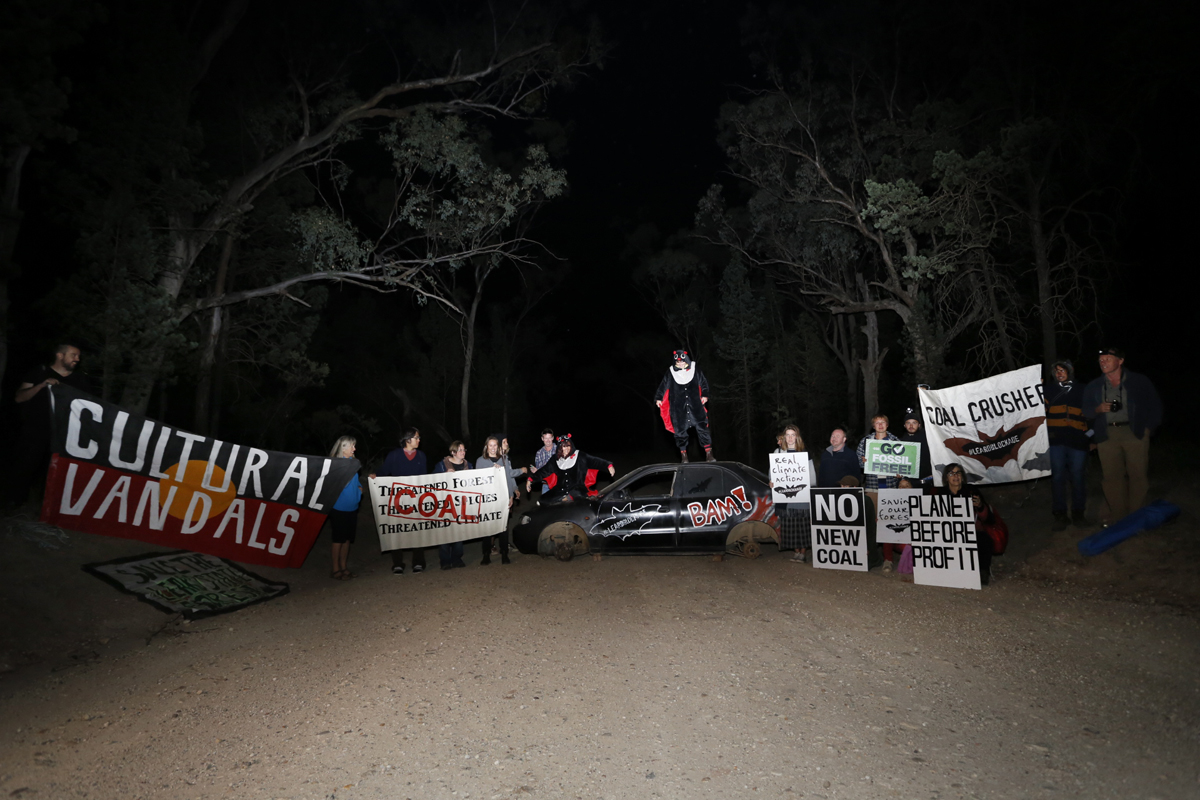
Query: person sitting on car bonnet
[[571, 475]]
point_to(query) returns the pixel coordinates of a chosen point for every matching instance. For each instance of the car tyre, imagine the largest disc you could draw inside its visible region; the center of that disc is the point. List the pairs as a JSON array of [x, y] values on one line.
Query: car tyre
[[563, 540]]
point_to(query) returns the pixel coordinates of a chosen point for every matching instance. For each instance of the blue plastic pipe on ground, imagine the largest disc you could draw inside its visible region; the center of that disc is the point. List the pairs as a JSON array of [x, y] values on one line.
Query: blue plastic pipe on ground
[[1144, 519]]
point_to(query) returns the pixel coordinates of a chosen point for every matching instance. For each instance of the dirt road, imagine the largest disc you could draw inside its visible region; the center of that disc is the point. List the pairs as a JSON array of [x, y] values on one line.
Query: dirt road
[[623, 678]]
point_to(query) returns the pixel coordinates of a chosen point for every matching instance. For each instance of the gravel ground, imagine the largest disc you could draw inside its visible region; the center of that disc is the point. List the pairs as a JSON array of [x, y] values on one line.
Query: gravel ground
[[619, 678]]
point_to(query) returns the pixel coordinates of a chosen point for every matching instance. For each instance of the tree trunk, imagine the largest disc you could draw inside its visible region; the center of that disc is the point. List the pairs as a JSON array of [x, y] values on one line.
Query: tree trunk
[[464, 404], [208, 354], [871, 365], [10, 226], [1041, 260], [997, 315]]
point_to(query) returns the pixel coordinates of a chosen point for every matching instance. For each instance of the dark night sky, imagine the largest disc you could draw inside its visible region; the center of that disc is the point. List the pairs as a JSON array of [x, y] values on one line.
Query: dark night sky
[[643, 150]]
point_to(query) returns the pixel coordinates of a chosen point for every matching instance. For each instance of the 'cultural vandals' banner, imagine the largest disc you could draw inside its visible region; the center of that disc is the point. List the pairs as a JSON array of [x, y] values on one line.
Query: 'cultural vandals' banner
[[899, 459], [791, 478], [943, 541], [839, 529], [892, 515], [117, 474], [428, 510], [995, 428], [193, 584]]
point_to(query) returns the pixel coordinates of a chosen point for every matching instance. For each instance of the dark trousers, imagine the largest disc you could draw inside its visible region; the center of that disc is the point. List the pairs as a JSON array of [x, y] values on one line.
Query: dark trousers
[[449, 553], [983, 543], [1067, 464], [418, 557], [702, 433], [486, 542]]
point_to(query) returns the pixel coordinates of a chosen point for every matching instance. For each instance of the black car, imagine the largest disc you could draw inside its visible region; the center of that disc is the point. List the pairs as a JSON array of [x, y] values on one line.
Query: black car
[[659, 509]]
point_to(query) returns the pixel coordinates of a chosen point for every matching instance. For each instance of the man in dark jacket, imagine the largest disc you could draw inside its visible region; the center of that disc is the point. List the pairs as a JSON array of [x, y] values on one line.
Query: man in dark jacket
[[681, 398], [1125, 409], [915, 433], [1070, 439], [838, 461]]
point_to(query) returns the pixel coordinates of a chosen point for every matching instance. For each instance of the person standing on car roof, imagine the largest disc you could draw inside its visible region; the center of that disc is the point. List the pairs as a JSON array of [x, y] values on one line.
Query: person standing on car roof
[[571, 475], [681, 401]]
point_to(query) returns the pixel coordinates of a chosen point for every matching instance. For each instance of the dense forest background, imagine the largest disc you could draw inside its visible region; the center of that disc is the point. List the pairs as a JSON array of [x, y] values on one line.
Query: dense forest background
[[280, 223]]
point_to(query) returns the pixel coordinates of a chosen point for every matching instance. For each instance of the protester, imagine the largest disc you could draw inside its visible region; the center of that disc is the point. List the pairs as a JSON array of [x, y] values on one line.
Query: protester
[[451, 555], [796, 523], [571, 474], [33, 453], [516, 490], [681, 400], [343, 518], [873, 483], [494, 458], [852, 482], [406, 460], [837, 461], [914, 433], [1125, 409], [954, 484], [544, 453], [1070, 439]]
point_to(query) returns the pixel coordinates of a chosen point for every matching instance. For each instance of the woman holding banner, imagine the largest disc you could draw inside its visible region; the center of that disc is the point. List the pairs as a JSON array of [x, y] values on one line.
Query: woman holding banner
[[873, 483], [494, 458], [451, 555], [795, 523], [343, 517], [987, 522]]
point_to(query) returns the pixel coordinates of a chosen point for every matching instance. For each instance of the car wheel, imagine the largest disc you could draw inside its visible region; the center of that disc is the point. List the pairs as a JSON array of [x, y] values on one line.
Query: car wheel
[[743, 539], [563, 540]]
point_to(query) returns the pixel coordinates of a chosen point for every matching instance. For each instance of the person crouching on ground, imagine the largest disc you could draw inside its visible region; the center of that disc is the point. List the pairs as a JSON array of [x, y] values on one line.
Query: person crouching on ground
[[343, 517], [571, 476], [681, 400], [451, 555]]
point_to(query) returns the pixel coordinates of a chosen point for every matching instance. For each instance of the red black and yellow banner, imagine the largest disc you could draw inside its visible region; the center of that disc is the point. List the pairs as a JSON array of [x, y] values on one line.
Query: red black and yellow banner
[[117, 474]]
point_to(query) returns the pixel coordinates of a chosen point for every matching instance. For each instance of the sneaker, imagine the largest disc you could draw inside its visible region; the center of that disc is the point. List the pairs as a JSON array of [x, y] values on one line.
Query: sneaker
[[398, 569], [446, 566], [710, 457], [797, 558], [458, 563], [418, 568], [1061, 521], [804, 557], [887, 567]]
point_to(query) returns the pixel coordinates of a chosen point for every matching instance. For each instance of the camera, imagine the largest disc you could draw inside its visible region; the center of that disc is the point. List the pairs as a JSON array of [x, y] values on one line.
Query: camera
[[1114, 405]]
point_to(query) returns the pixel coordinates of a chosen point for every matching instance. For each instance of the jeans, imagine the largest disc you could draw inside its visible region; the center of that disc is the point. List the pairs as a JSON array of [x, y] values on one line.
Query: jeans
[[449, 553], [1066, 464]]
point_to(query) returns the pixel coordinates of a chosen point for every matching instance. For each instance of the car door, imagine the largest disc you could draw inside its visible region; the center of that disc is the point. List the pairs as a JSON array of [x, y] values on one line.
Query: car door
[[639, 516], [705, 507]]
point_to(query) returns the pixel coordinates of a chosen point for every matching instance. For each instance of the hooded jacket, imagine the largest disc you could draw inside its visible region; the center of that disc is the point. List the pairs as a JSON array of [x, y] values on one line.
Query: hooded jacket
[[679, 391], [1066, 425]]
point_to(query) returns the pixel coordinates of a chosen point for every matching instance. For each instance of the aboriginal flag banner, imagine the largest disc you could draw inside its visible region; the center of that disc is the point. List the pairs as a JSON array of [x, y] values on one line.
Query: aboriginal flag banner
[[995, 428], [113, 473]]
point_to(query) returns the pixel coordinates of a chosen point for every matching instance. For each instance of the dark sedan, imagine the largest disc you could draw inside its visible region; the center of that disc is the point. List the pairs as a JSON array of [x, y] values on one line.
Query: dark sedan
[[722, 507]]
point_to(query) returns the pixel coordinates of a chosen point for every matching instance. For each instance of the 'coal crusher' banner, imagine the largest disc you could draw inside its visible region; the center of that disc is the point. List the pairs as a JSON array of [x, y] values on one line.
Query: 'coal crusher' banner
[[427, 510], [117, 474], [995, 428]]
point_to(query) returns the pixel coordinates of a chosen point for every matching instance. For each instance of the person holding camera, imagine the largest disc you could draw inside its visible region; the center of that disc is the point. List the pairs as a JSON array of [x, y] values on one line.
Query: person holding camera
[[1125, 409]]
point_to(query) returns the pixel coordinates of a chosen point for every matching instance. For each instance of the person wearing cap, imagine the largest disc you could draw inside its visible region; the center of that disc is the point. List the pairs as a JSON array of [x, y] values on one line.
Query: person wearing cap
[[915, 433], [681, 400], [1070, 439], [1125, 409]]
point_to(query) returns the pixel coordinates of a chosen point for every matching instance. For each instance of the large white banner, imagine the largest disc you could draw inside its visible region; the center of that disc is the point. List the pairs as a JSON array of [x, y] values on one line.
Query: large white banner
[[428, 510], [791, 477], [995, 428]]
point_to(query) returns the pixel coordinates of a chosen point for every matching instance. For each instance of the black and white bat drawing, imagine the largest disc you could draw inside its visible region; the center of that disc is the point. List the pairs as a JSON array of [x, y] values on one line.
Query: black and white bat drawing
[[791, 491], [898, 527], [626, 521]]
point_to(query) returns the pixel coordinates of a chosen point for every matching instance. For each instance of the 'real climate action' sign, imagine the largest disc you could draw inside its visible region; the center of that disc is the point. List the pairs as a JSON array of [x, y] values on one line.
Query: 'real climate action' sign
[[114, 473]]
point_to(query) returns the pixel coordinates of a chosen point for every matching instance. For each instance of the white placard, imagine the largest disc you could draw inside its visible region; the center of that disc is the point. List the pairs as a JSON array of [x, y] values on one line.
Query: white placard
[[891, 515], [839, 533], [943, 541], [791, 476], [427, 510]]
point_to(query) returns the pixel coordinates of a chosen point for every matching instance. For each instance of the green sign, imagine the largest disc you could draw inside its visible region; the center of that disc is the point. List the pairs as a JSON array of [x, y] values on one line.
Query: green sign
[[898, 459]]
